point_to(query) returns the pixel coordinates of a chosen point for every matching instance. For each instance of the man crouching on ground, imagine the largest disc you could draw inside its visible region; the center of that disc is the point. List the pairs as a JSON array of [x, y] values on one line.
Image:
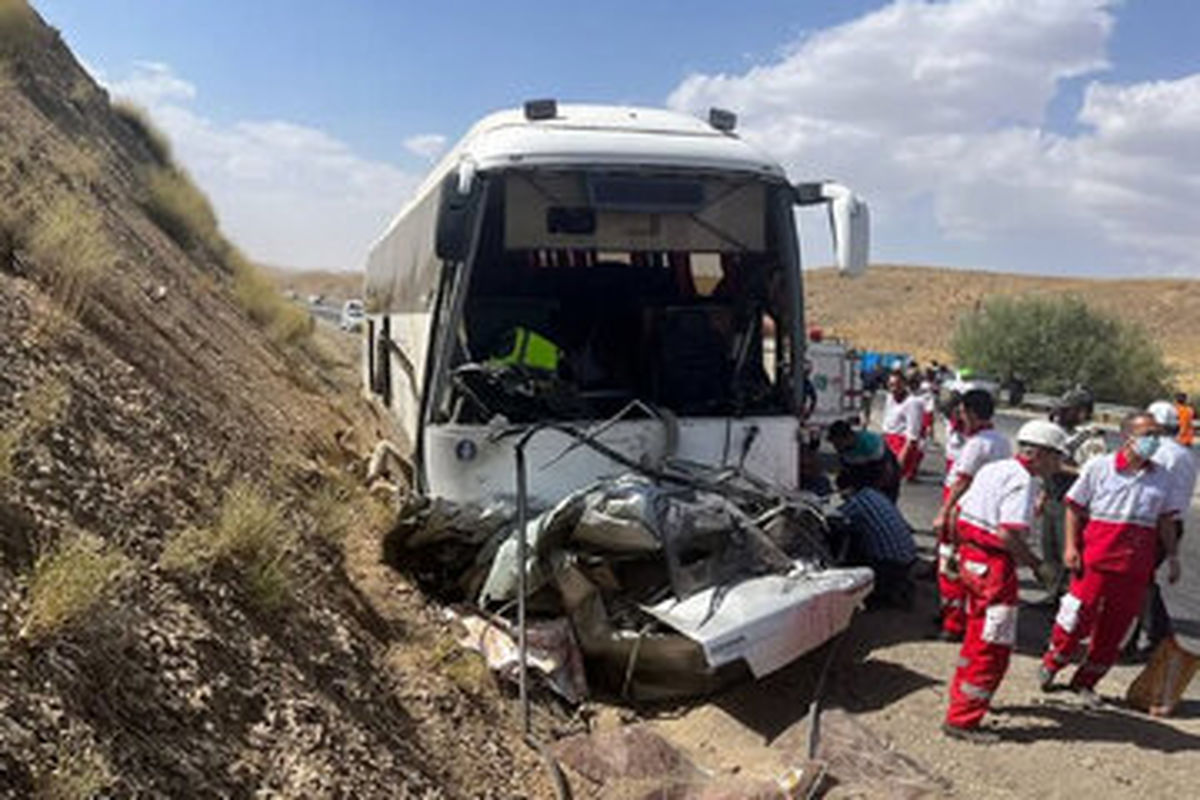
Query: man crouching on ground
[[994, 517], [1118, 511]]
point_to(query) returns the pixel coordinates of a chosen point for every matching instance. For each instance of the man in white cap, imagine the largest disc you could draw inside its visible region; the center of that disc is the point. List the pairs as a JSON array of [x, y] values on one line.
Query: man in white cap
[[1118, 513], [1180, 464], [994, 517]]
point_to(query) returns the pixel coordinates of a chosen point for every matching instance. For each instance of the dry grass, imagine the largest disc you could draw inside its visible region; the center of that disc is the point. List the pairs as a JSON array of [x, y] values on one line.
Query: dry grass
[[69, 242], [250, 536], [181, 209], [40, 409], [43, 407], [71, 583], [81, 772], [331, 511], [340, 505], [50, 218], [465, 668], [16, 23], [184, 213], [284, 322], [137, 120], [9, 438]]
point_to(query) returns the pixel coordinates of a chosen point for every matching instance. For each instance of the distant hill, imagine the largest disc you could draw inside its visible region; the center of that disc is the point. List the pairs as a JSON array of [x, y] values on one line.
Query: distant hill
[[915, 309]]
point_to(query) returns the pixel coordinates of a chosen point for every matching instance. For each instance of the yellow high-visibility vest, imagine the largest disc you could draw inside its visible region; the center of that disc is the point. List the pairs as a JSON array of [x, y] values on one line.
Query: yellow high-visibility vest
[[531, 349]]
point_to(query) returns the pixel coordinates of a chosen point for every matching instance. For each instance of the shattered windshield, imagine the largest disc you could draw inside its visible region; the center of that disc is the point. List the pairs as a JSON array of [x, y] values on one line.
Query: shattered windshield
[[590, 292]]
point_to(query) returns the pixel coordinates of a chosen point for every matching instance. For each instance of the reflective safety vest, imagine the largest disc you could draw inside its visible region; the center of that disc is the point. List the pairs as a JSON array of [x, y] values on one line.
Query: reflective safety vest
[[530, 349]]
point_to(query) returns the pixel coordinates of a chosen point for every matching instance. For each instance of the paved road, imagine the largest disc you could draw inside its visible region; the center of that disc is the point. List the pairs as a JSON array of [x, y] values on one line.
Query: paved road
[[919, 502]]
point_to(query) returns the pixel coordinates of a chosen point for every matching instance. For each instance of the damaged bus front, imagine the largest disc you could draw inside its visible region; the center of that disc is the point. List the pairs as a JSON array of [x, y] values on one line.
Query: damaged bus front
[[594, 286]]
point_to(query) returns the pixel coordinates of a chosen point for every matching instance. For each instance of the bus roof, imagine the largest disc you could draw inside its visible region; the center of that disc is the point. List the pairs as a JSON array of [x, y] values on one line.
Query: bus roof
[[399, 264]]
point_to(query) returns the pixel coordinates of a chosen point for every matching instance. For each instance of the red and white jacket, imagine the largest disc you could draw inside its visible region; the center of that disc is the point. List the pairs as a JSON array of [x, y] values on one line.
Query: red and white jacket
[[982, 447], [1123, 506], [1002, 496], [904, 417]]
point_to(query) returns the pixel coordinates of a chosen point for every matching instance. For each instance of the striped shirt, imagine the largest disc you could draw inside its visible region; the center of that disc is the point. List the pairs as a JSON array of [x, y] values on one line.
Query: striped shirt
[[883, 533]]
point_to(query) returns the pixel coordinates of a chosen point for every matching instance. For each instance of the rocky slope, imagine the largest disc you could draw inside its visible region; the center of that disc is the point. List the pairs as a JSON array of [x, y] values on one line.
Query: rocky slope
[[140, 405]]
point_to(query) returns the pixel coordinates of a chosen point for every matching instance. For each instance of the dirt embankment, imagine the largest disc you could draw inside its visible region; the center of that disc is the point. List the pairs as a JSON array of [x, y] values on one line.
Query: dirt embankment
[[917, 308], [189, 591]]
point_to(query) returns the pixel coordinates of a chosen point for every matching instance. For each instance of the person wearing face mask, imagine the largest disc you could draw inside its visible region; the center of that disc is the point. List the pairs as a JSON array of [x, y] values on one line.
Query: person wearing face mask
[[1180, 465], [983, 445], [1119, 511], [902, 417], [994, 517]]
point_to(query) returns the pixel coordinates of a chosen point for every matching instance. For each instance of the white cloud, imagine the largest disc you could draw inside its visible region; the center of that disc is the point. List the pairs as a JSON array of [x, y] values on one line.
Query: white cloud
[[939, 110], [152, 83], [288, 194], [426, 145]]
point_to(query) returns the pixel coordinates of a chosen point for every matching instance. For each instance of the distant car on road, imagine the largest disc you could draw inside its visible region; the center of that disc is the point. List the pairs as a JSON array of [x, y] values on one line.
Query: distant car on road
[[316, 299], [352, 315], [965, 380]]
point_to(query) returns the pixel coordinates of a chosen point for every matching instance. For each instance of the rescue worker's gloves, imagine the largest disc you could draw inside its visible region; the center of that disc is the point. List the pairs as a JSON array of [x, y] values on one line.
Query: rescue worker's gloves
[[1047, 575]]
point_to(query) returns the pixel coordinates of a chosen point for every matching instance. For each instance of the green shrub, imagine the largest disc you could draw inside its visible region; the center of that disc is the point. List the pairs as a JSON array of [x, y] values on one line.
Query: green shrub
[[250, 536], [70, 583], [137, 120], [1053, 343]]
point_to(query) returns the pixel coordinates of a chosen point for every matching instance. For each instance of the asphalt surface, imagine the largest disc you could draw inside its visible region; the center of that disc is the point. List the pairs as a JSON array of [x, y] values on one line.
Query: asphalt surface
[[919, 502]]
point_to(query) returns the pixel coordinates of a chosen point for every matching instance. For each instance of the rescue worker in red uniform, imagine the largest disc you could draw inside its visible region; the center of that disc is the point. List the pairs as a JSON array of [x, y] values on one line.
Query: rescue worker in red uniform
[[983, 445], [902, 419], [1118, 511], [993, 519]]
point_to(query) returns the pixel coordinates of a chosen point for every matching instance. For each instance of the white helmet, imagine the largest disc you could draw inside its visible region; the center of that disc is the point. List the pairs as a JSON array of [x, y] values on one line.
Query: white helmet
[[1043, 433], [1164, 413]]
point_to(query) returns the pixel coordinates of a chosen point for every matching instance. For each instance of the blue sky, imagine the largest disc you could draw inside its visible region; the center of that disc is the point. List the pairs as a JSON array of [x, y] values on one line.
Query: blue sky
[[1027, 135]]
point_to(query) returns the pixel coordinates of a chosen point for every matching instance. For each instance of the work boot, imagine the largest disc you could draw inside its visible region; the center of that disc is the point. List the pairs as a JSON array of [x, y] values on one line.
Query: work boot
[[1045, 678], [972, 735], [1089, 699]]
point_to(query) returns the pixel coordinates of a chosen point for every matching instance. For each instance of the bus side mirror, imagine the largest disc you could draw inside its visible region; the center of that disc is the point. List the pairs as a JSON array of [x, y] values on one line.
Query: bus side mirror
[[849, 223], [459, 203]]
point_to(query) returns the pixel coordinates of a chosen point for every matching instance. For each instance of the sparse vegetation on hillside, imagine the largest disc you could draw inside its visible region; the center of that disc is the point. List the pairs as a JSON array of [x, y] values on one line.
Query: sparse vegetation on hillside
[[284, 322], [181, 209], [1054, 343], [137, 120], [178, 206], [8, 450], [70, 583], [80, 773], [52, 220], [250, 536], [37, 411], [68, 240]]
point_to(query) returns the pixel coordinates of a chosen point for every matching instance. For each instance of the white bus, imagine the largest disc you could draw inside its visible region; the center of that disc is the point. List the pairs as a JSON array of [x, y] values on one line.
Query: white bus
[[639, 254]]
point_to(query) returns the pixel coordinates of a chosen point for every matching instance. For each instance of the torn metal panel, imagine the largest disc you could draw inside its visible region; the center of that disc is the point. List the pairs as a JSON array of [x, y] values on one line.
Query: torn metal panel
[[770, 620]]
